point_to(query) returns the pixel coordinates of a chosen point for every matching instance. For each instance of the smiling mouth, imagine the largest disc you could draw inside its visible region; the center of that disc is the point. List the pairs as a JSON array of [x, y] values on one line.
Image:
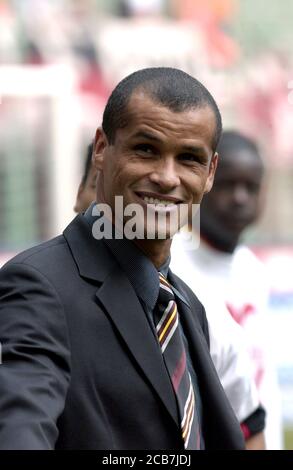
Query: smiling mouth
[[158, 201]]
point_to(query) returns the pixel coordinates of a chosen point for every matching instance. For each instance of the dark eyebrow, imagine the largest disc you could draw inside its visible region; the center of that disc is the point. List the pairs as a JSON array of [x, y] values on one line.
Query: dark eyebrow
[[146, 135], [193, 149], [199, 151]]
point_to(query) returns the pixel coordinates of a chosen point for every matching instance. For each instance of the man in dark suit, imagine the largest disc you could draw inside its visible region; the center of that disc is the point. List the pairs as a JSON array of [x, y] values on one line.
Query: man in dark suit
[[89, 358]]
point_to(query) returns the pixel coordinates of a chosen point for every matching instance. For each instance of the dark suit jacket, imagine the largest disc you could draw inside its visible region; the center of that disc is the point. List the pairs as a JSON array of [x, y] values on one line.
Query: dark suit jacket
[[81, 368]]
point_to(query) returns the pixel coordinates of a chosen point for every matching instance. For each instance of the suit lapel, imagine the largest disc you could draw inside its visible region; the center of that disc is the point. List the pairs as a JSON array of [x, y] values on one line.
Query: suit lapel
[[123, 307], [95, 262]]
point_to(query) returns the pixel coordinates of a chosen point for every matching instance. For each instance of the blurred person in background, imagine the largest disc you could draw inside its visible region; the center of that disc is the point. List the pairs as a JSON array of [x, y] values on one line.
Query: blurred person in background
[[230, 270], [87, 189], [89, 326], [228, 346]]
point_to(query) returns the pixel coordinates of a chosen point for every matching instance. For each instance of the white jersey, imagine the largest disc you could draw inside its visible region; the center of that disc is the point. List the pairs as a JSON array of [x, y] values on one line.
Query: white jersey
[[235, 282]]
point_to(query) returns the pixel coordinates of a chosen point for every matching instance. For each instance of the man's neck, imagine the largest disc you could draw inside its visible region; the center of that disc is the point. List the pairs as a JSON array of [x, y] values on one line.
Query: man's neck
[[156, 250], [219, 244]]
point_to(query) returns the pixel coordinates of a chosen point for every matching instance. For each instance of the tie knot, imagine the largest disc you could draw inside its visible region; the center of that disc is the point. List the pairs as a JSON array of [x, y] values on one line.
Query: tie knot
[[165, 293]]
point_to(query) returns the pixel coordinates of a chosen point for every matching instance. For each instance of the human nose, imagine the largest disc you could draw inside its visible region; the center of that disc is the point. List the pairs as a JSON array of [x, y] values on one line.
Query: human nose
[[165, 175]]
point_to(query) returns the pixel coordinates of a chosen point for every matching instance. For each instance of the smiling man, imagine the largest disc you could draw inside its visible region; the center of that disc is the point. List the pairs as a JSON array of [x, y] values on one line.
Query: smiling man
[[163, 161], [100, 333]]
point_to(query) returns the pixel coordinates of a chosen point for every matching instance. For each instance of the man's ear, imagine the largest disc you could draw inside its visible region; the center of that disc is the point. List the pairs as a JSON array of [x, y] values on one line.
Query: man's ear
[[212, 171], [100, 144], [77, 207]]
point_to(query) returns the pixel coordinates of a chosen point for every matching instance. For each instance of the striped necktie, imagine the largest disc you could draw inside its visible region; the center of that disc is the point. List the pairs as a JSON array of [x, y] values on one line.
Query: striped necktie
[[172, 346]]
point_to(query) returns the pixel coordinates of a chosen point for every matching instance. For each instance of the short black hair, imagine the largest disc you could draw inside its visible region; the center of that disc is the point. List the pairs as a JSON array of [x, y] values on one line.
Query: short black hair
[[232, 141], [88, 162], [170, 87]]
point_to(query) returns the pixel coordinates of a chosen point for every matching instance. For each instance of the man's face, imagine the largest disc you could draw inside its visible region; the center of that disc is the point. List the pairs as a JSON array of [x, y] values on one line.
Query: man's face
[[86, 191], [161, 158], [235, 200]]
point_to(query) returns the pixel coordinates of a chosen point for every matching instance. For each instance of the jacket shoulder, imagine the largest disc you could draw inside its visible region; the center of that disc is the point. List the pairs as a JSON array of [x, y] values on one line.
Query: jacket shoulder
[[37, 252]]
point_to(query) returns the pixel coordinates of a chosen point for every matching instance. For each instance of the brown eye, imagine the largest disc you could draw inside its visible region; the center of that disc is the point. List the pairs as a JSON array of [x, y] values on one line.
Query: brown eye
[[145, 148], [189, 157]]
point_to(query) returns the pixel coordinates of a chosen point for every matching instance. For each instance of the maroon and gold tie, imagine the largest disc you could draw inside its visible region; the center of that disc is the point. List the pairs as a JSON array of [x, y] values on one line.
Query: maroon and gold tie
[[172, 346]]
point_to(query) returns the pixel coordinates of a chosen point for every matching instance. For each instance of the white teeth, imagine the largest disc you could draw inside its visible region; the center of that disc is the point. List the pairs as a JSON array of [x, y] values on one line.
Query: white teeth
[[159, 202]]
